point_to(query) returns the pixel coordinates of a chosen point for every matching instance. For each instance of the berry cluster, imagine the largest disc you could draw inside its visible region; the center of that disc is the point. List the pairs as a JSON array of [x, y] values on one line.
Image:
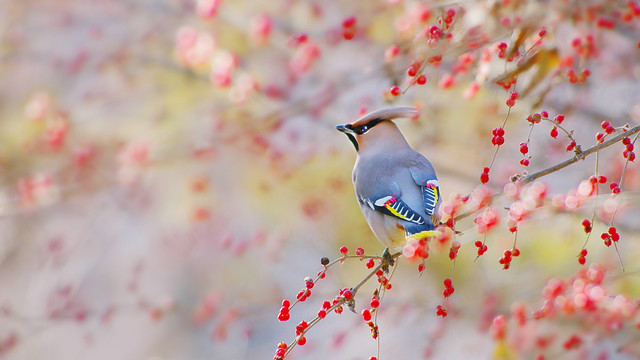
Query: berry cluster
[[507, 256], [383, 280], [322, 313], [453, 251], [375, 300], [608, 129], [610, 235], [300, 330], [615, 188], [413, 72], [524, 149], [572, 343], [280, 351], [628, 151], [482, 247], [448, 288], [283, 315], [502, 50], [441, 311], [511, 101], [498, 136], [349, 27], [582, 257], [366, 314], [484, 177]]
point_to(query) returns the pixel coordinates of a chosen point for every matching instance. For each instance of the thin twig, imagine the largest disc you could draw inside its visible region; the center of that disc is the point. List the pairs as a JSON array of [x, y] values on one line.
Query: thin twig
[[580, 156]]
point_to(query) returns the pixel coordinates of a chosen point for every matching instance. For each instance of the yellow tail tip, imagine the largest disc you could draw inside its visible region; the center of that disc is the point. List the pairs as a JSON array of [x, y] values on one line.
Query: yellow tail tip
[[422, 235]]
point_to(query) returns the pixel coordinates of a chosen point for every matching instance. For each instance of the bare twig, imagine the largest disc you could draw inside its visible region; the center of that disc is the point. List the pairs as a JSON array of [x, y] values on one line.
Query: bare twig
[[579, 156]]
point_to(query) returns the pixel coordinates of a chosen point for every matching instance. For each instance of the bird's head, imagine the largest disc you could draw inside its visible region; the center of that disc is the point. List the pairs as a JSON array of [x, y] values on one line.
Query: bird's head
[[376, 129]]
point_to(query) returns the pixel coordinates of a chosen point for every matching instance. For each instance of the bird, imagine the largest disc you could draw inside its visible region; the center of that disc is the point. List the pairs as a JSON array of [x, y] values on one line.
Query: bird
[[396, 187]]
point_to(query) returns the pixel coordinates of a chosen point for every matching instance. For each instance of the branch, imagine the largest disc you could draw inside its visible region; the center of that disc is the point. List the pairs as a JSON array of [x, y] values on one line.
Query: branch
[[580, 156]]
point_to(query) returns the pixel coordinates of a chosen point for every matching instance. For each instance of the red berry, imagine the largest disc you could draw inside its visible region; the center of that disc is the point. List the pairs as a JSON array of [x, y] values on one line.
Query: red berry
[[370, 263], [542, 32], [583, 252], [302, 341], [349, 22], [484, 178], [510, 102], [599, 137], [586, 223], [559, 119], [629, 147], [499, 140], [485, 169], [516, 252], [524, 149], [412, 71], [286, 303], [447, 282], [395, 91], [632, 156], [582, 260], [571, 146], [524, 162], [375, 303], [349, 34], [605, 124], [344, 250], [612, 230], [609, 129], [322, 313], [347, 294], [626, 141], [499, 131], [544, 114], [359, 251], [554, 132], [421, 80], [366, 314]]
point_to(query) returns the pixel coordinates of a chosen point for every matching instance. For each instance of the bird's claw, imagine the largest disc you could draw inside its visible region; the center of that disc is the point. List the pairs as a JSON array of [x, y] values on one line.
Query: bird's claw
[[387, 260]]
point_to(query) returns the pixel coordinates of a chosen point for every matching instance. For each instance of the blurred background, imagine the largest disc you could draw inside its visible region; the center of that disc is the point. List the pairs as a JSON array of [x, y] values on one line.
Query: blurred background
[[170, 171]]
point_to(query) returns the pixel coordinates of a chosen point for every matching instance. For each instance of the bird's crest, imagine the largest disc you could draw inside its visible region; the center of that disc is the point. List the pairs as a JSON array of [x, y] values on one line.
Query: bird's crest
[[387, 114]]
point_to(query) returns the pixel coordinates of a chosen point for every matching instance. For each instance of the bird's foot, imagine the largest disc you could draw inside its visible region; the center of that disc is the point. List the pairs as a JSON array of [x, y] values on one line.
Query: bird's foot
[[387, 260]]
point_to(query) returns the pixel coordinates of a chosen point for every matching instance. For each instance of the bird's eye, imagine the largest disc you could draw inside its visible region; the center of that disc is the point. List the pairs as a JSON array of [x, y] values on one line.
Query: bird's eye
[[362, 129]]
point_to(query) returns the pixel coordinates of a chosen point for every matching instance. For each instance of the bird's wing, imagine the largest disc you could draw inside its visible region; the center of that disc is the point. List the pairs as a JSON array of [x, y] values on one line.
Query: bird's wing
[[425, 177], [392, 205]]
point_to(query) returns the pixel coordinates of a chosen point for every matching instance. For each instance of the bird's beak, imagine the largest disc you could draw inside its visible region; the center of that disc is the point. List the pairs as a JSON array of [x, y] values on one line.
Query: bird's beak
[[345, 128], [348, 130]]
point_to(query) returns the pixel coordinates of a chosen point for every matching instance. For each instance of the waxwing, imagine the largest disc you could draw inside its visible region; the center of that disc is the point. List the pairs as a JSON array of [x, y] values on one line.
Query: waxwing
[[396, 187]]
